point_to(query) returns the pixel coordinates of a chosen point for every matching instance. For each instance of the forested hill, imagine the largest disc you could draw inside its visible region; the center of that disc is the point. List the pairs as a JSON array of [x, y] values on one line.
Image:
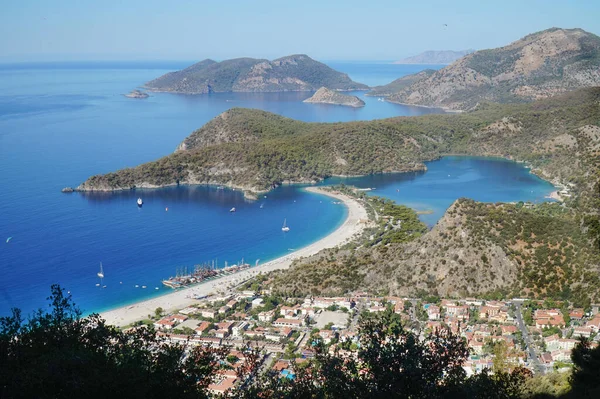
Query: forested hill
[[537, 66], [292, 73], [257, 150]]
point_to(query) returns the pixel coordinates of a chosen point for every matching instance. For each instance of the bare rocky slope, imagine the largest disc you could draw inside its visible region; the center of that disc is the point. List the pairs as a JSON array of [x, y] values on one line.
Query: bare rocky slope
[[400, 84], [326, 96], [433, 57], [292, 73], [537, 66]]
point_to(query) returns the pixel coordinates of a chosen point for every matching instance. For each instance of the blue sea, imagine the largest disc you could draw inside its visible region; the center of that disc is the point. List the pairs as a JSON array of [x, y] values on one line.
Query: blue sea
[[63, 122]]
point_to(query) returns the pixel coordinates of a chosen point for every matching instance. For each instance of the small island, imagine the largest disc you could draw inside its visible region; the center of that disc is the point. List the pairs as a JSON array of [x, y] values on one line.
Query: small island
[[326, 96], [137, 94]]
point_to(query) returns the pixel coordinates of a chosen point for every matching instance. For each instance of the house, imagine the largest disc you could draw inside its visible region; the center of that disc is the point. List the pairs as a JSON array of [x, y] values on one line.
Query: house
[[232, 304], [202, 327], [188, 310], [273, 335], [208, 313], [433, 312], [225, 325], [168, 322], [594, 324], [281, 322], [561, 355], [266, 316], [238, 328], [222, 383], [224, 309], [221, 333], [508, 330], [477, 347], [582, 332], [256, 333], [576, 314], [327, 336], [546, 358], [258, 302]]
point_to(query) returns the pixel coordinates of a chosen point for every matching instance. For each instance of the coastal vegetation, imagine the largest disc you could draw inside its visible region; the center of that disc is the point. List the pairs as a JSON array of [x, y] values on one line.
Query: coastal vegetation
[[257, 150], [59, 354], [296, 72]]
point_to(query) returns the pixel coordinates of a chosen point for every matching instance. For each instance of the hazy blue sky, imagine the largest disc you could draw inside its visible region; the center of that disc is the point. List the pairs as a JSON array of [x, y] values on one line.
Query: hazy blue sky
[[324, 29]]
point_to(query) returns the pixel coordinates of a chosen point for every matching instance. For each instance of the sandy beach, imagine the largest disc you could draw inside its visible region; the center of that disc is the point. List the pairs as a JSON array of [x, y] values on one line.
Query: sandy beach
[[555, 195], [353, 225]]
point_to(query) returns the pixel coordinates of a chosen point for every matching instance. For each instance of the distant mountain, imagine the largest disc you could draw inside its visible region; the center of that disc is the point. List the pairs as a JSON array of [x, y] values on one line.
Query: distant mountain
[[435, 57], [326, 96], [400, 84], [291, 73], [537, 66]]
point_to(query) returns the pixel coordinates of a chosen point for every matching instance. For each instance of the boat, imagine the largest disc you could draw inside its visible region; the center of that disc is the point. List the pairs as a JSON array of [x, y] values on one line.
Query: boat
[[232, 210], [143, 286], [100, 274], [140, 202], [285, 227]]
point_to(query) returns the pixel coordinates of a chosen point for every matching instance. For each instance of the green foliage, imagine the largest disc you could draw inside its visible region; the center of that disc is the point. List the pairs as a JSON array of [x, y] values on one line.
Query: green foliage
[[59, 354]]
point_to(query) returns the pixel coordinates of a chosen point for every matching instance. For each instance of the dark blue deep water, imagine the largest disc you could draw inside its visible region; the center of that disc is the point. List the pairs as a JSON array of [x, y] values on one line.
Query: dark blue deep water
[[61, 123]]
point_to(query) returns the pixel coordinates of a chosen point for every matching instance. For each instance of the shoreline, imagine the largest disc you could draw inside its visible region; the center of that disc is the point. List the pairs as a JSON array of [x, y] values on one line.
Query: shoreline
[[352, 226]]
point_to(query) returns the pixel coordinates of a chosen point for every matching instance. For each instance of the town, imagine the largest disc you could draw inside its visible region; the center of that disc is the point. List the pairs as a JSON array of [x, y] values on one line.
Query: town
[[501, 335]]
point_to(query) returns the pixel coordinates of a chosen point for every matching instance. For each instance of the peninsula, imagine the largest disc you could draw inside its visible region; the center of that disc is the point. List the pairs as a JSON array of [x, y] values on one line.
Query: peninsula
[[326, 96], [540, 65], [256, 150], [292, 73]]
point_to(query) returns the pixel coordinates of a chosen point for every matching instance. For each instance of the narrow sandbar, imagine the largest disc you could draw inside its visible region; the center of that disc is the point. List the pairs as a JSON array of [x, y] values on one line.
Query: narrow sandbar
[[352, 226]]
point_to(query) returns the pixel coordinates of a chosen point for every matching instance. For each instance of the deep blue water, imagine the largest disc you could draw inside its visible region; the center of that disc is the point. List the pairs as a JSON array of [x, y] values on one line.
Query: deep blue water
[[61, 123]]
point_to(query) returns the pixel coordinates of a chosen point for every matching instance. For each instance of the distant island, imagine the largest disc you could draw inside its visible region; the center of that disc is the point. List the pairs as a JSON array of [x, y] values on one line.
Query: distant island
[[326, 96], [292, 73], [540, 65], [435, 57], [137, 94]]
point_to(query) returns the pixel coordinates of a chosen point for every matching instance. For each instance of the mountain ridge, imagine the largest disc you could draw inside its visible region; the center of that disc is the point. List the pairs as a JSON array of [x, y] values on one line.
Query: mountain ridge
[[539, 65], [435, 57]]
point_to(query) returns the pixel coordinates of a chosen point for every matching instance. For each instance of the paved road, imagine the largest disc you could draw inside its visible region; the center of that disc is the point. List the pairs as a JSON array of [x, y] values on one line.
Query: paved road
[[538, 367]]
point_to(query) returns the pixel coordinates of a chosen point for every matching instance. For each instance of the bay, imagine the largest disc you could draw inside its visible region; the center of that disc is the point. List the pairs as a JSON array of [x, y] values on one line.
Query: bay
[[61, 123]]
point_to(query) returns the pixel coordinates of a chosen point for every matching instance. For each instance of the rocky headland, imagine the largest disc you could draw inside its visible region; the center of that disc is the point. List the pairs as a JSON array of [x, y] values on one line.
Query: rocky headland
[[137, 94], [326, 96]]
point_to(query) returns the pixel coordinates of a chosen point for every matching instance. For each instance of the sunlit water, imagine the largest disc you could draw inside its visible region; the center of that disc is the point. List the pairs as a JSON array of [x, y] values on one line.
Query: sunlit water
[[59, 124]]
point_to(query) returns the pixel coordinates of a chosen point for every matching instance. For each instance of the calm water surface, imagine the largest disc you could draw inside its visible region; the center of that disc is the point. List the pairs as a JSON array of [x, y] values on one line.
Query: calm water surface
[[61, 123]]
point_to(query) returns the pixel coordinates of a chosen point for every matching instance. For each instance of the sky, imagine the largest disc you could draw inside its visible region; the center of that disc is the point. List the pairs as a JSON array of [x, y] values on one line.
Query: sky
[[68, 30]]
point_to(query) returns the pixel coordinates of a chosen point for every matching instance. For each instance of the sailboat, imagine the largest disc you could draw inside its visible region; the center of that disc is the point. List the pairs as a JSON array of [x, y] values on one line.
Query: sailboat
[[285, 227], [100, 274]]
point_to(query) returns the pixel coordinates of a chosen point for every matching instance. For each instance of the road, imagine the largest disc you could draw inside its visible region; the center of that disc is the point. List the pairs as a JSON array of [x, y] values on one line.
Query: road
[[537, 366]]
